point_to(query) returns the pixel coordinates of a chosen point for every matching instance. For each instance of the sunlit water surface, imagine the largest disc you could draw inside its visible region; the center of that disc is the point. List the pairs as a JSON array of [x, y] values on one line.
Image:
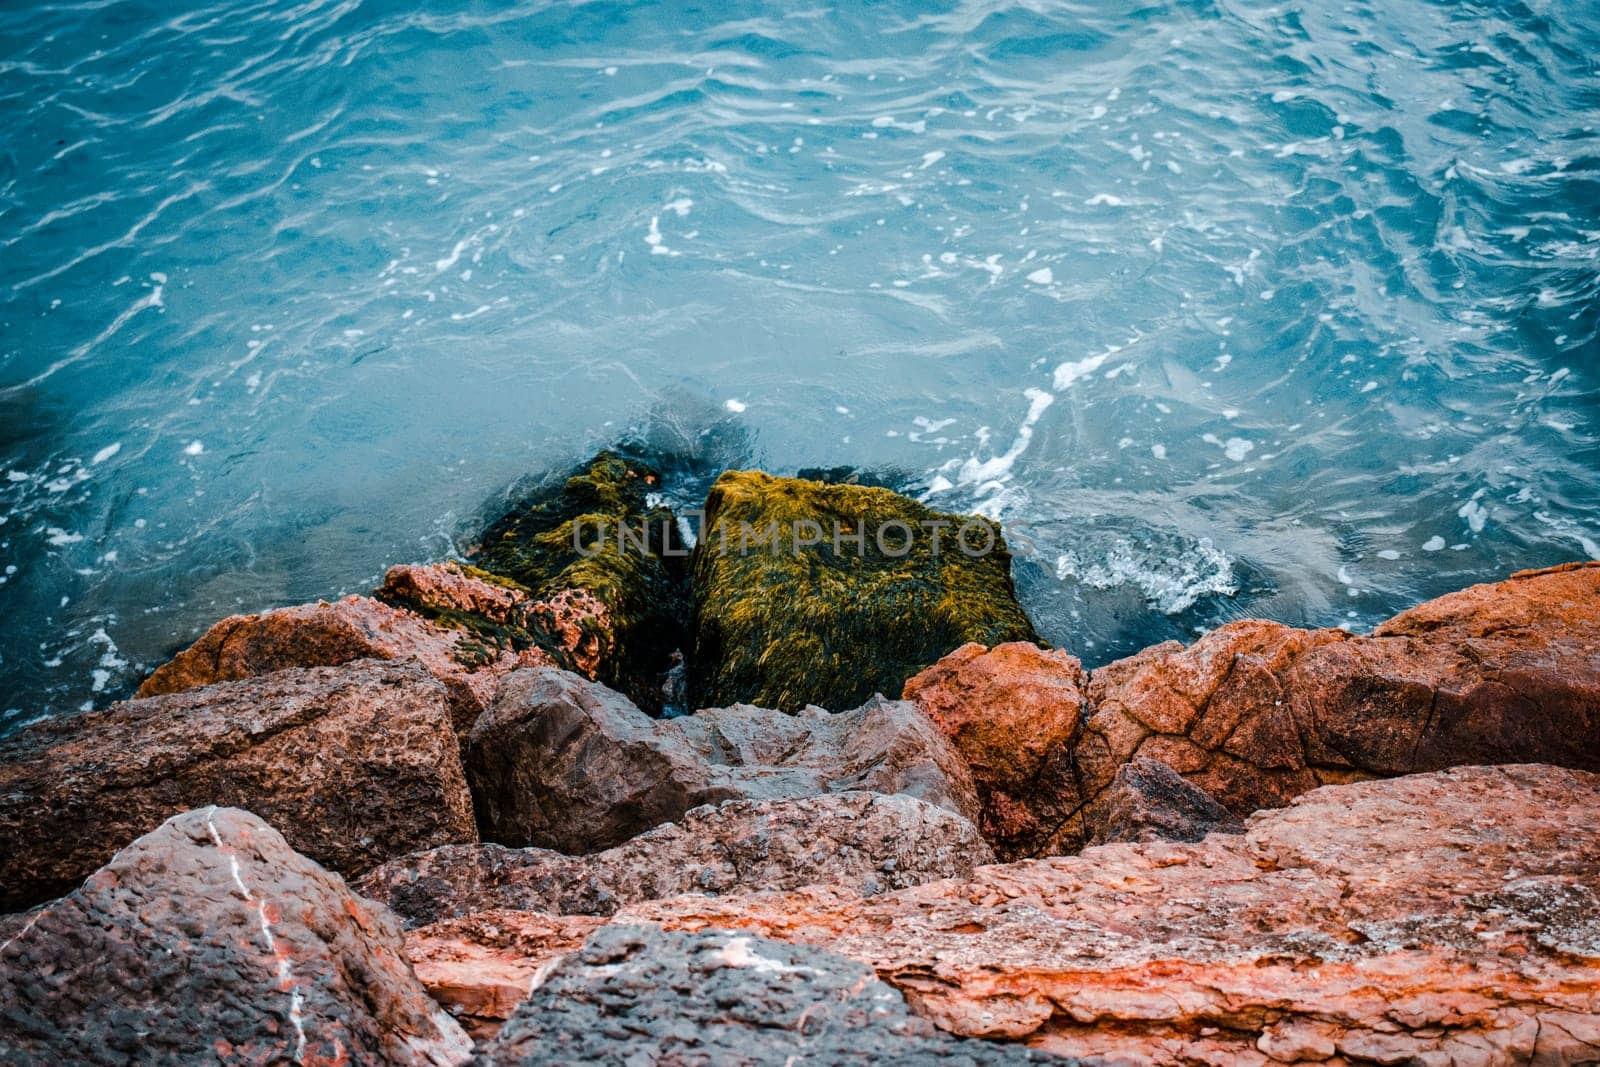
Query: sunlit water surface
[[1274, 309]]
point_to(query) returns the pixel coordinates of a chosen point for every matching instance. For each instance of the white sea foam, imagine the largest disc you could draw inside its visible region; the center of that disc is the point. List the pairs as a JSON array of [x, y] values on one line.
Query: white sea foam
[[1171, 580]]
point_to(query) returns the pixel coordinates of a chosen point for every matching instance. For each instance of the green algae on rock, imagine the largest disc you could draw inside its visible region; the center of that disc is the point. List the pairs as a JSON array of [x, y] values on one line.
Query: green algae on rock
[[599, 539], [810, 593]]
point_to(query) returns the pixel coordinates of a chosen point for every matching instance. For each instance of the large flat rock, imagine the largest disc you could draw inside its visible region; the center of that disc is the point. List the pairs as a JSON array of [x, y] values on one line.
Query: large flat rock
[[356, 764], [1450, 917], [211, 941]]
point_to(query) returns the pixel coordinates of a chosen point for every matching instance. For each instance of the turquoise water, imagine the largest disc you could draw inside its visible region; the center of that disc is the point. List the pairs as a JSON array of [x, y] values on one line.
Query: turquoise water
[[1283, 309]]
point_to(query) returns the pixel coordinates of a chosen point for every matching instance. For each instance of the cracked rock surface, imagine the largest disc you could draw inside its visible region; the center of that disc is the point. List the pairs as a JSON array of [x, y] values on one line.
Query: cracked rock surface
[[868, 842], [211, 941], [1450, 917], [1255, 712]]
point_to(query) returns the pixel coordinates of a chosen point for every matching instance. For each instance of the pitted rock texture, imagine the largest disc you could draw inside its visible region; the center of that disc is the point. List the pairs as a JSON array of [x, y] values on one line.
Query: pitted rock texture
[[1014, 713], [868, 842], [357, 764], [1255, 712], [563, 763], [1447, 918], [327, 635], [636, 995], [1149, 801], [211, 941]]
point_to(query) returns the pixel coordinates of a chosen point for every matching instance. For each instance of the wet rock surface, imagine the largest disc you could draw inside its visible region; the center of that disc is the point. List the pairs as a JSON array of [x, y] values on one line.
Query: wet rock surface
[[611, 566], [643, 995], [1449, 917], [807, 618], [867, 842], [565, 764], [210, 940], [357, 764]]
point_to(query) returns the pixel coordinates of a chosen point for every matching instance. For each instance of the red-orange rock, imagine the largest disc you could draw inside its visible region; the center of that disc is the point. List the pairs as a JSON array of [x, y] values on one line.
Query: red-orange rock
[[1450, 917], [572, 627], [481, 966], [326, 635], [1255, 712], [1013, 712]]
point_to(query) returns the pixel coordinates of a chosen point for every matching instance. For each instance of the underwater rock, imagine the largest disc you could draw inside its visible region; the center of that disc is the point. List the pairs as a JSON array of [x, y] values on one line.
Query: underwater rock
[[1013, 712], [635, 995], [568, 764], [356, 627], [1449, 917], [356, 764], [868, 842], [210, 940], [600, 536], [808, 593], [1149, 801]]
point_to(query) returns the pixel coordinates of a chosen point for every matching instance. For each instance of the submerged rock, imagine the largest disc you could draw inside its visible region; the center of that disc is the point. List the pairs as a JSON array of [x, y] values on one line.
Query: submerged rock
[[564, 763], [210, 940], [601, 537], [641, 995], [868, 842], [1449, 917], [356, 764], [356, 627], [808, 593]]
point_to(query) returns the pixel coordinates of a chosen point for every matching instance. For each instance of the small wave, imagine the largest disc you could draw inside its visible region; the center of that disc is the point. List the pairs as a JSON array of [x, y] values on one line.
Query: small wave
[[1172, 578]]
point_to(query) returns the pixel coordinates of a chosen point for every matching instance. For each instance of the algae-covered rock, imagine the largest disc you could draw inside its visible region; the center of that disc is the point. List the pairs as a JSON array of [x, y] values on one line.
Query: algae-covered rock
[[599, 543], [812, 593]]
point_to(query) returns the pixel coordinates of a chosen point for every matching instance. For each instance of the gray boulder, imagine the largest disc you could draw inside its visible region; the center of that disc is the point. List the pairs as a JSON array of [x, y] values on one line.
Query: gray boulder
[[638, 994], [356, 764], [866, 842], [1149, 801], [212, 941], [564, 763]]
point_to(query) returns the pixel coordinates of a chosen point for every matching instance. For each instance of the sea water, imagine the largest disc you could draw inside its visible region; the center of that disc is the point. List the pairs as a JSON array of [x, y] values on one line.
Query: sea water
[[1225, 308]]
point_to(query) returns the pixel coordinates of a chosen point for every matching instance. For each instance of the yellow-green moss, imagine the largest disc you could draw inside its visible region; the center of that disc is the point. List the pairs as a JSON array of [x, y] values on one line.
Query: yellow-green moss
[[644, 592], [832, 624]]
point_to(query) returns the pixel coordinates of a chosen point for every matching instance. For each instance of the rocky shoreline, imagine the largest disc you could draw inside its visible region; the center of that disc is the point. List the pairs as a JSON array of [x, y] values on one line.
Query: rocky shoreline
[[473, 818]]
